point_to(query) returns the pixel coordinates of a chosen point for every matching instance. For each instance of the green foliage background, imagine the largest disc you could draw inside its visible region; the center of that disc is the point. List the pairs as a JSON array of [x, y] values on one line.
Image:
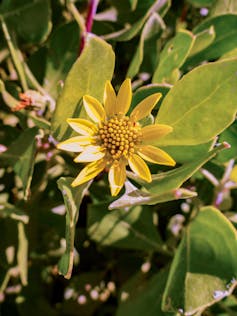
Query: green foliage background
[[162, 248]]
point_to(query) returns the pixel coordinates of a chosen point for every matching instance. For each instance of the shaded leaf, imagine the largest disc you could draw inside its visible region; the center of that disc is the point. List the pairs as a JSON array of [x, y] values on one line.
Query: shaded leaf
[[20, 155], [61, 57], [173, 56], [204, 269], [225, 27], [145, 295], [153, 26], [131, 229], [31, 20], [72, 198]]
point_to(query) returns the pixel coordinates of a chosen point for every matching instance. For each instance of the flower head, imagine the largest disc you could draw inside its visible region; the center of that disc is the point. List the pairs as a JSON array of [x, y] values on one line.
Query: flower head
[[112, 140]]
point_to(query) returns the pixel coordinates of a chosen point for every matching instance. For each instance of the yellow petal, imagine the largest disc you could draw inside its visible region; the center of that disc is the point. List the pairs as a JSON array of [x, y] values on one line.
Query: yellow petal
[[138, 165], [117, 177], [91, 153], [109, 99], [153, 132], [76, 144], [81, 126], [145, 107], [155, 155], [94, 108], [89, 172], [124, 97]]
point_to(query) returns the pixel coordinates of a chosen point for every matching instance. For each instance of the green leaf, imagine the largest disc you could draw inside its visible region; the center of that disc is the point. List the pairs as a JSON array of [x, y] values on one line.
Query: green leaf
[[134, 196], [152, 27], [173, 56], [190, 105], [167, 181], [183, 154], [131, 229], [20, 155], [229, 136], [133, 4], [87, 76], [225, 27], [201, 3], [22, 253], [61, 57], [203, 40], [221, 7], [147, 90], [130, 32], [145, 295], [31, 20], [72, 198], [204, 269]]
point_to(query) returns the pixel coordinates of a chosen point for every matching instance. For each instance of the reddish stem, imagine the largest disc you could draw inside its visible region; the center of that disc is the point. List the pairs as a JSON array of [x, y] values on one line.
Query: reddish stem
[[92, 7]]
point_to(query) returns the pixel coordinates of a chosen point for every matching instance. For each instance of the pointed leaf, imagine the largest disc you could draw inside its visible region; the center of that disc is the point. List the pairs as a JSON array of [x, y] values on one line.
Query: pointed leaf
[[72, 199]]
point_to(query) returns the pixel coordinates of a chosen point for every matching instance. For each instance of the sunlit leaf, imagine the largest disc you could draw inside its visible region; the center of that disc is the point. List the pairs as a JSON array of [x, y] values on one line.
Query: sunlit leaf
[[190, 104], [87, 76]]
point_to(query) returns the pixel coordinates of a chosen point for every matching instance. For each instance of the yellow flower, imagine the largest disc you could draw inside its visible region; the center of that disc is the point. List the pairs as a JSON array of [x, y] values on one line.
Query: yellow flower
[[113, 140]]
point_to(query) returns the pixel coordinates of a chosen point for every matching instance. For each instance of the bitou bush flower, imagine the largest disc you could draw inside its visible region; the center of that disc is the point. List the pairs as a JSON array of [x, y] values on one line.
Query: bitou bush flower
[[112, 140]]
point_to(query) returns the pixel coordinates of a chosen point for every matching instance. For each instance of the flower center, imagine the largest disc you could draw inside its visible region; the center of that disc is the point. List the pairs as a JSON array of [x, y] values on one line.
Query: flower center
[[119, 136]]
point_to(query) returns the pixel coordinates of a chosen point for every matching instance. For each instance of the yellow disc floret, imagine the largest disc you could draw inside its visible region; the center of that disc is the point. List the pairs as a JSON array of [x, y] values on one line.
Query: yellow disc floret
[[119, 135]]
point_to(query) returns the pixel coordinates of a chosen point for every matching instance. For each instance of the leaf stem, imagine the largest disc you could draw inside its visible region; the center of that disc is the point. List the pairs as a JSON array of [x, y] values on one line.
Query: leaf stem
[[14, 54], [77, 16]]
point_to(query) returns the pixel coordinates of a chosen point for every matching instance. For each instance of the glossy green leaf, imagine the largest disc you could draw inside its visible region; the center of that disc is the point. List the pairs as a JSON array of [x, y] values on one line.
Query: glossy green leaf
[[20, 155], [144, 295], [225, 27], [152, 27], [31, 20], [173, 56], [173, 179], [60, 56], [87, 76], [22, 253], [72, 198], [183, 154], [190, 105], [202, 40], [131, 229], [204, 269]]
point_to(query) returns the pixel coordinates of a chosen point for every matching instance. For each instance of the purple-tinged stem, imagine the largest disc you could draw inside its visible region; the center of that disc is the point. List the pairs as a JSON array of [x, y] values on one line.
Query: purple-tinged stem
[[92, 7]]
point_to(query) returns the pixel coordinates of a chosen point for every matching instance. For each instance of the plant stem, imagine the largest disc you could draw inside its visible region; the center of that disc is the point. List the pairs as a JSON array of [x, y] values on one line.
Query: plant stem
[[77, 16], [14, 54], [92, 7]]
